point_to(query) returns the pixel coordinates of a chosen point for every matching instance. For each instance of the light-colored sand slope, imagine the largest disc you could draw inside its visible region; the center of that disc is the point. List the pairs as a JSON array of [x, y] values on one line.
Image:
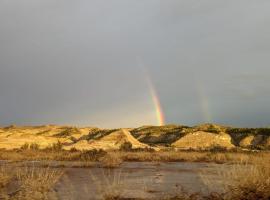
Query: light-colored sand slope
[[255, 140], [15, 137], [111, 141], [204, 140], [203, 136]]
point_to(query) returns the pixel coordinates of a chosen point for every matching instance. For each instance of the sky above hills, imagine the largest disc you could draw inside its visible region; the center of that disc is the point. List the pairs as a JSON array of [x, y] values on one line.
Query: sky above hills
[[98, 62]]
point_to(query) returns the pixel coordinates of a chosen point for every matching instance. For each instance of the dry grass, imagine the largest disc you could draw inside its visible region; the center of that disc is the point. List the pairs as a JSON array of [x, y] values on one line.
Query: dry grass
[[37, 182], [139, 156], [5, 179], [20, 155], [4, 176], [111, 160], [248, 180], [23, 183], [173, 156], [251, 181], [109, 186], [61, 155]]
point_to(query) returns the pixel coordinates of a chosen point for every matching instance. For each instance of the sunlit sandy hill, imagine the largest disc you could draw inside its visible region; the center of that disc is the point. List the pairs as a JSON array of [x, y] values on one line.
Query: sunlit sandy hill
[[200, 137]]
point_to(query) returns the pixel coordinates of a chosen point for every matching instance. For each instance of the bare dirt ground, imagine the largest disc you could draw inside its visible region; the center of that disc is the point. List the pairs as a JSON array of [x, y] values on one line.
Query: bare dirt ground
[[145, 178], [137, 180]]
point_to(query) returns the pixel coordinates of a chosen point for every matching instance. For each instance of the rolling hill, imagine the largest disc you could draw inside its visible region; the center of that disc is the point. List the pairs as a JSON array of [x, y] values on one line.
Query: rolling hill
[[205, 136]]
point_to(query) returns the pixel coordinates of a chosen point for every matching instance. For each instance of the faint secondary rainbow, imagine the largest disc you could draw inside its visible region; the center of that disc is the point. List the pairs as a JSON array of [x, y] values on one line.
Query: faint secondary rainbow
[[204, 103], [155, 99]]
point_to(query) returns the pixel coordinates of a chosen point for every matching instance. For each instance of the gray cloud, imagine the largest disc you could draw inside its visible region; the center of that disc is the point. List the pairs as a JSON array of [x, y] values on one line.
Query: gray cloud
[[76, 62]]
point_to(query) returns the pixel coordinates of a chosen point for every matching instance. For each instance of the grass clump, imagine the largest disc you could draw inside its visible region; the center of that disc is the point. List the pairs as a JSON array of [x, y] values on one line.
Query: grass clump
[[37, 182], [5, 179], [249, 182], [245, 180], [55, 147], [126, 146], [32, 146], [28, 182], [92, 155], [111, 160]]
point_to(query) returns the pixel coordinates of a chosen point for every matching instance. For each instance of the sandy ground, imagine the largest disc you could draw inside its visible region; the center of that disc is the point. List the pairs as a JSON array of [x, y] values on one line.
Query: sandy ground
[[137, 180], [147, 180]]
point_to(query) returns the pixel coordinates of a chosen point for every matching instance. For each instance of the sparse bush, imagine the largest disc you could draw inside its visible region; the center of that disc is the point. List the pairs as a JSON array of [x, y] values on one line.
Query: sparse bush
[[97, 134], [238, 134], [34, 146], [73, 149], [218, 148], [73, 139], [110, 185], [147, 149], [57, 146], [126, 146], [29, 182], [212, 129], [160, 135], [25, 146], [92, 155], [5, 177], [111, 160], [36, 182], [68, 132]]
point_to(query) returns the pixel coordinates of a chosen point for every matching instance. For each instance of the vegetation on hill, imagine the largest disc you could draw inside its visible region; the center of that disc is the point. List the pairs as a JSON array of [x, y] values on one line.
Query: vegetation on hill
[[159, 135], [156, 136], [98, 133], [260, 137], [68, 132]]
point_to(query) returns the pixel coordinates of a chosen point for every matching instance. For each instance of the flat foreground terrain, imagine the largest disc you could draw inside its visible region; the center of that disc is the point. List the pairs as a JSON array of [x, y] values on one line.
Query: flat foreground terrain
[[155, 175], [138, 180]]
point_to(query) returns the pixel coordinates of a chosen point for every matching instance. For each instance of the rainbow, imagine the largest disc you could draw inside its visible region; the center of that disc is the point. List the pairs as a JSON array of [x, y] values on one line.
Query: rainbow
[[204, 103], [156, 102], [158, 109]]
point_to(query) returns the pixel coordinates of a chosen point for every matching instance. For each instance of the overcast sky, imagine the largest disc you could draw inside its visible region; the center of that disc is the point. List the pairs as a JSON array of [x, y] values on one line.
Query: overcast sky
[[76, 62]]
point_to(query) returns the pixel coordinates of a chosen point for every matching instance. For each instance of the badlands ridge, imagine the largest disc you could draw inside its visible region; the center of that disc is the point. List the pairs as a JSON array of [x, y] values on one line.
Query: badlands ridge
[[201, 137]]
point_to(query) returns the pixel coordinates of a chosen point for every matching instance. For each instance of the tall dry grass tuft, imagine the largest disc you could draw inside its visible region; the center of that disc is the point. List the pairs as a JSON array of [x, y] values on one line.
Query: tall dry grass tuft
[[5, 179], [37, 182], [110, 184], [27, 183], [111, 160], [251, 181], [5, 176], [246, 180]]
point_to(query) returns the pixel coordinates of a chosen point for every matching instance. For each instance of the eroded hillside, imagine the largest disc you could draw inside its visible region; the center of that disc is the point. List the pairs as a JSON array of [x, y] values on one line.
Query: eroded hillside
[[199, 137]]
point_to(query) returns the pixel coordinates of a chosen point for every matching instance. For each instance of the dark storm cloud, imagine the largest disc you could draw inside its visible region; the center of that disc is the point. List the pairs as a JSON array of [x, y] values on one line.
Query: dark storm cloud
[[76, 61]]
